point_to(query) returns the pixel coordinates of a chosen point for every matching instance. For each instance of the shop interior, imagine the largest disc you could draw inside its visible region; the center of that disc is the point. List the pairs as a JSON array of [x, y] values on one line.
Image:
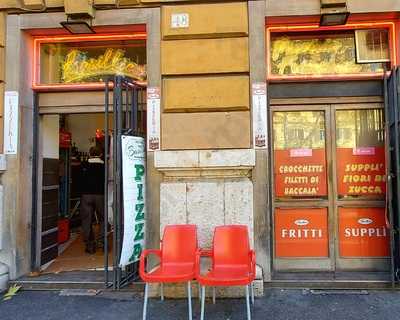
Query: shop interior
[[80, 144]]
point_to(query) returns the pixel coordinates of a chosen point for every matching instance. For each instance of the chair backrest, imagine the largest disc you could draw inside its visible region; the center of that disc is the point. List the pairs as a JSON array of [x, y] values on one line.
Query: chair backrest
[[231, 245], [179, 244]]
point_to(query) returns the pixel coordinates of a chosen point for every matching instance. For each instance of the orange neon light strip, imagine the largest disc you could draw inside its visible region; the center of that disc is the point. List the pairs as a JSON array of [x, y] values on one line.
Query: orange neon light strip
[[315, 27], [69, 38]]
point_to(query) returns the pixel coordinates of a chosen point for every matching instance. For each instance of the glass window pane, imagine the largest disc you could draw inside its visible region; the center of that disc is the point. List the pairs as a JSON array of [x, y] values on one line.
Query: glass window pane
[[299, 154], [295, 54], [360, 153], [90, 61], [372, 45]]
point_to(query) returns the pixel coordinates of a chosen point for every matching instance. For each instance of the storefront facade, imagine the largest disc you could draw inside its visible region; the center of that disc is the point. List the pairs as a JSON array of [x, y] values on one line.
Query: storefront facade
[[256, 115]]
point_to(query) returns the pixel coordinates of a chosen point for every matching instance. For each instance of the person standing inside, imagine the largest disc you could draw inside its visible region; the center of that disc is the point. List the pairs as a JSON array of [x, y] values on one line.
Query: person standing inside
[[92, 198]]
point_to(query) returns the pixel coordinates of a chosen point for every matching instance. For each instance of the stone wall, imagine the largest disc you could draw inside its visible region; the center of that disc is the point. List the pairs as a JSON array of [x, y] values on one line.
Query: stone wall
[[207, 188]]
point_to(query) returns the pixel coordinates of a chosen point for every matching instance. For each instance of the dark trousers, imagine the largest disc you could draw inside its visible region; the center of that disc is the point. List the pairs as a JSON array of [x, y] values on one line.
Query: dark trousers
[[89, 204]]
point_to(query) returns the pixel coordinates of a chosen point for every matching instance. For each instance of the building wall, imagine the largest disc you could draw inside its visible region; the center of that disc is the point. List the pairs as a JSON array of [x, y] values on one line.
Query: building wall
[[207, 171]]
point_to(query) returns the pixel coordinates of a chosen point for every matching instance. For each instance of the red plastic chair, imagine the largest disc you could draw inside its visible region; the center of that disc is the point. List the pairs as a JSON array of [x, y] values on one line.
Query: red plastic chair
[[177, 261], [233, 263]]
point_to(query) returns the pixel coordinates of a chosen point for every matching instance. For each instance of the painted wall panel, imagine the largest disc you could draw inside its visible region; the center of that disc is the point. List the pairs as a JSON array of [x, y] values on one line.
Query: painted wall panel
[[204, 56], [218, 19], [205, 130], [216, 93]]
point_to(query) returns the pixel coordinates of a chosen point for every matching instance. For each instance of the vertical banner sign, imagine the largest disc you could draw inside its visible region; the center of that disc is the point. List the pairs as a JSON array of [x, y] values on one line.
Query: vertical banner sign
[[363, 233], [259, 115], [361, 171], [10, 122], [134, 197], [300, 173], [153, 118], [301, 232]]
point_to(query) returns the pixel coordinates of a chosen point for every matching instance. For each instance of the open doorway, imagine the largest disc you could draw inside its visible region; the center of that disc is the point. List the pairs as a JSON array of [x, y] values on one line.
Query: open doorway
[[78, 149], [79, 152]]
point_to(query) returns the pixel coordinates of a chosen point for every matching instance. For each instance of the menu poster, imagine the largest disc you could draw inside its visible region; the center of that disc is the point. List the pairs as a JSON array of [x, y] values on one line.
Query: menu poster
[[259, 115], [153, 118]]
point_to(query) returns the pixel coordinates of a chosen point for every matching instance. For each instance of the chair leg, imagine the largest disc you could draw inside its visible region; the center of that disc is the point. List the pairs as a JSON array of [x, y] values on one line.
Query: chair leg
[[146, 295], [214, 299], [199, 291], [203, 298], [189, 289], [162, 291], [248, 303], [252, 292]]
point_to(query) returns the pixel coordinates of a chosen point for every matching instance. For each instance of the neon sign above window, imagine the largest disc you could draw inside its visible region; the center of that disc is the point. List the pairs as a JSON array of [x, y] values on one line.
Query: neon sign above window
[[85, 61]]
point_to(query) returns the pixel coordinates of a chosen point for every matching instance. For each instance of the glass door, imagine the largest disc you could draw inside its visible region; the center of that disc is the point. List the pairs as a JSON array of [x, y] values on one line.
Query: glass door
[[329, 188], [362, 241], [302, 191]]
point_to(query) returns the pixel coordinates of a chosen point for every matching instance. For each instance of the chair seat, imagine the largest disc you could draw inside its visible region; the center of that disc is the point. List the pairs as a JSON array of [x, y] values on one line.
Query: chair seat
[[226, 276], [181, 272]]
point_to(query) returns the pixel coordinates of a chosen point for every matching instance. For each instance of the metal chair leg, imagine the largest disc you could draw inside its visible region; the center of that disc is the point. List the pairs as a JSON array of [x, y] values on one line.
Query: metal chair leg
[[189, 289], [214, 299], [203, 298], [199, 291], [162, 292], [146, 295], [248, 303], [252, 292]]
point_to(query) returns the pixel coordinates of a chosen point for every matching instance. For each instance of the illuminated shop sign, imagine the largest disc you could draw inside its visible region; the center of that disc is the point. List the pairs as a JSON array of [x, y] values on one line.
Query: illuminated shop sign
[[86, 60], [77, 67], [363, 232], [301, 232]]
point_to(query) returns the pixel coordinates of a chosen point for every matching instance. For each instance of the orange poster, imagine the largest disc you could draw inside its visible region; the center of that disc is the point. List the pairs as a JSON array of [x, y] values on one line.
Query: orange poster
[[300, 173], [363, 232], [301, 232], [361, 171]]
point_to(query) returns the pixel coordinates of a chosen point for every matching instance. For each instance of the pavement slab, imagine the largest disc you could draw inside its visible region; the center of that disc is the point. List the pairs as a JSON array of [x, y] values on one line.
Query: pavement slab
[[277, 304]]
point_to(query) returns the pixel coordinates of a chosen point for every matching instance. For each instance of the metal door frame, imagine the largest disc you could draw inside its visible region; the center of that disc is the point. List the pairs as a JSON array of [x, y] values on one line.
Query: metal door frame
[[392, 127], [127, 109]]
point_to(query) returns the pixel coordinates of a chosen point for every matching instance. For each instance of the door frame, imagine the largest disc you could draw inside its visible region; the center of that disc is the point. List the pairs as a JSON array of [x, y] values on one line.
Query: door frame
[[333, 263]]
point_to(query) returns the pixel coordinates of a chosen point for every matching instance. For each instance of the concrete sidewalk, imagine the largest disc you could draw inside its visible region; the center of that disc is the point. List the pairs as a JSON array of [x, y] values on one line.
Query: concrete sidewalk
[[276, 304]]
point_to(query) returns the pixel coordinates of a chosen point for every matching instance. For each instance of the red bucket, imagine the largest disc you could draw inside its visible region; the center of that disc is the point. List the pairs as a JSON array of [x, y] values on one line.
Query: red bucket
[[63, 230]]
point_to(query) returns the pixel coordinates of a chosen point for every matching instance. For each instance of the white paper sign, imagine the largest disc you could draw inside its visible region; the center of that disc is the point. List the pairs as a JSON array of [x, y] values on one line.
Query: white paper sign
[[180, 20], [259, 115], [134, 198], [10, 122], [153, 118]]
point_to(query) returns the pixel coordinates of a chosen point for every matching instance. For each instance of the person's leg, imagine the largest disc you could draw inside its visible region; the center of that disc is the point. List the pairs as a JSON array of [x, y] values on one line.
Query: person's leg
[[86, 212], [99, 202]]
